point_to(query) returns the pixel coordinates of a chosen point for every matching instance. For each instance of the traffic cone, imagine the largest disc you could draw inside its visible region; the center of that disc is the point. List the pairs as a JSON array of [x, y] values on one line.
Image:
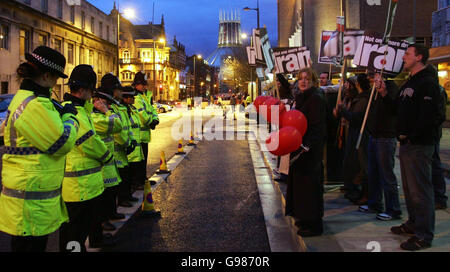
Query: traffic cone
[[180, 148], [148, 208], [191, 140], [162, 165]]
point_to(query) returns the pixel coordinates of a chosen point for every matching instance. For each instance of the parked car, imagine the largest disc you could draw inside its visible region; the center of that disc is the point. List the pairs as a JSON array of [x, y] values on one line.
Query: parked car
[[162, 108], [5, 100]]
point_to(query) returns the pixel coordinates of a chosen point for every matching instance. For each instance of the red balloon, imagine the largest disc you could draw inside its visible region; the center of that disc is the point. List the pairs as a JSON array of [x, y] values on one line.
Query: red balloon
[[296, 119], [284, 141], [268, 103], [281, 111], [258, 101]]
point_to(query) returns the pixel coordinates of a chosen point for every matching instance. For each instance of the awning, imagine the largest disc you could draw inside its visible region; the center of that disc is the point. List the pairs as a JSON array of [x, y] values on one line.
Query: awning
[[439, 54]]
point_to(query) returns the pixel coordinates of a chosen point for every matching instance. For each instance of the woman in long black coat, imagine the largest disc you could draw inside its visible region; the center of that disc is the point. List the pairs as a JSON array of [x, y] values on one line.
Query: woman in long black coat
[[305, 187]]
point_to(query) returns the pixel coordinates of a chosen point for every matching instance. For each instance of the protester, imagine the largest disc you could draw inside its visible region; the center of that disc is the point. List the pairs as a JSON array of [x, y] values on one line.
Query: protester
[[324, 79], [418, 118], [333, 154], [83, 182], [37, 138], [381, 155], [304, 199], [355, 160], [106, 124]]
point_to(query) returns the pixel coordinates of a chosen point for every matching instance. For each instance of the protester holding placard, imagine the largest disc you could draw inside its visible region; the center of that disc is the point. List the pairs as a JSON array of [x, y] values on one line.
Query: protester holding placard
[[418, 119], [381, 152], [355, 160], [305, 188]]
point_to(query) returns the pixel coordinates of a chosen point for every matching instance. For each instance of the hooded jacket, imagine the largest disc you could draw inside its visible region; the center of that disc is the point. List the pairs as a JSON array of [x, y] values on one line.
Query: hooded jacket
[[418, 107], [382, 119]]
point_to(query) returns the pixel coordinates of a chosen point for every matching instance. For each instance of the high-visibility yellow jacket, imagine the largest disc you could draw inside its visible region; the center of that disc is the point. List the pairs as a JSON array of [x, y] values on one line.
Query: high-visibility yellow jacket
[[106, 125], [37, 140], [137, 155], [153, 111], [83, 178], [145, 116], [122, 139]]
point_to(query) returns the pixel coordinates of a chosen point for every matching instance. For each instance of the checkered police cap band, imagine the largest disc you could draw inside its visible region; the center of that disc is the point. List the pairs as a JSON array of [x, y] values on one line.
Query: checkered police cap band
[[48, 63]]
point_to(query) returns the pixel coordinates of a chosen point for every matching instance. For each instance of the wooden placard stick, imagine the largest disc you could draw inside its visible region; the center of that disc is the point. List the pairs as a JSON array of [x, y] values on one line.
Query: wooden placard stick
[[341, 83]]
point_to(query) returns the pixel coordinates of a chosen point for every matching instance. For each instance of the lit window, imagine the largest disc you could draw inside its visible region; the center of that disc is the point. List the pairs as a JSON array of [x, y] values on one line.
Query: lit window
[[4, 37]]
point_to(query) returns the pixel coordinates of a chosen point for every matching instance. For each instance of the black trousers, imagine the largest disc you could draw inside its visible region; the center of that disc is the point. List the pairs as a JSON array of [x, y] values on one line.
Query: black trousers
[[29, 243], [84, 220], [144, 162], [110, 202], [125, 186], [137, 174]]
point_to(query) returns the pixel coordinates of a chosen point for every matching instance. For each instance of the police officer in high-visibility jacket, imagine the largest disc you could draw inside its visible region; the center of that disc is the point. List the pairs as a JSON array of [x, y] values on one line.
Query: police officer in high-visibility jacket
[[106, 124], [136, 157], [123, 142], [147, 121], [83, 180], [37, 138]]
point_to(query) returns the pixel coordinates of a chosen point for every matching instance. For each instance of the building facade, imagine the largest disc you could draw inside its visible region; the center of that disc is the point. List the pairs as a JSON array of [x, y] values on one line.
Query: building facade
[[301, 22], [440, 52], [145, 48], [82, 33]]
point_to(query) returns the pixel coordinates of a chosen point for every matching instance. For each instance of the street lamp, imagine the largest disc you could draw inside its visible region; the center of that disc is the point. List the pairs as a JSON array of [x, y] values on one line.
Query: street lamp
[[244, 36], [257, 21], [257, 10], [195, 75]]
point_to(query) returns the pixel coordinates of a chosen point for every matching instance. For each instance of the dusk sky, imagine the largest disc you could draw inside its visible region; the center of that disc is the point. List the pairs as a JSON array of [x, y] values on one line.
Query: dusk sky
[[195, 23]]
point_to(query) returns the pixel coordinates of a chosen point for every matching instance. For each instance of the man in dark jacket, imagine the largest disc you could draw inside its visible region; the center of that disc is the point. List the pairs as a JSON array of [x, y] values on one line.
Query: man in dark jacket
[[381, 155], [418, 120], [437, 176]]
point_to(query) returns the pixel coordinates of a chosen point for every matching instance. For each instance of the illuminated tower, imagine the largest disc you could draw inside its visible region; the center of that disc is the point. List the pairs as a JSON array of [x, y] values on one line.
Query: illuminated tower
[[229, 40]]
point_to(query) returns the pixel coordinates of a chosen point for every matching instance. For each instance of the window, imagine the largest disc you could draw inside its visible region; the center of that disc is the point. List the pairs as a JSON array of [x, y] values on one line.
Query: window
[[60, 9], [91, 57], [100, 26], [5, 87], [82, 61], [107, 33], [24, 42], [70, 53], [72, 14], [44, 6], [42, 39], [4, 37], [126, 56], [58, 45], [100, 63], [92, 24], [83, 20], [27, 2]]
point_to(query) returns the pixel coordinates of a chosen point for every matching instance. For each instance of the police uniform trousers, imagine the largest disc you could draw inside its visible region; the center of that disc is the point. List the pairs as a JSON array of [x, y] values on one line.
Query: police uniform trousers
[[84, 220], [29, 243], [124, 186]]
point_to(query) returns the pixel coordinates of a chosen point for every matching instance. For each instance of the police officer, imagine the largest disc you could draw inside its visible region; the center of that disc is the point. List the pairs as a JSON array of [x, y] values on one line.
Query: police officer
[[148, 120], [123, 142], [136, 157], [106, 124], [83, 180], [37, 139]]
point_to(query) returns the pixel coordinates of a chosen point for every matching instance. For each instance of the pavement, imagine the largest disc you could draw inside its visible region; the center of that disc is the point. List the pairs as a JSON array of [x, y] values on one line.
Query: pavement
[[348, 230]]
